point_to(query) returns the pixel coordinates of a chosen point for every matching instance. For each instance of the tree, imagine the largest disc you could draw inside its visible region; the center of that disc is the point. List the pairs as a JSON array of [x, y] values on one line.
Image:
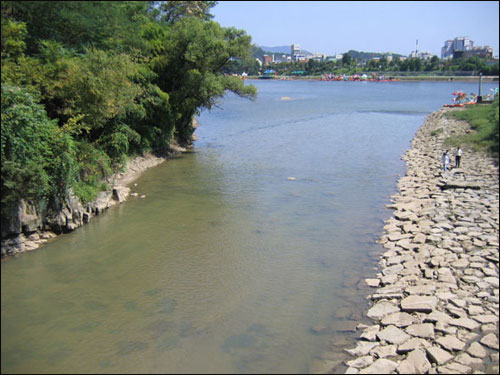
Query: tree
[[38, 160], [189, 68], [173, 11], [346, 60]]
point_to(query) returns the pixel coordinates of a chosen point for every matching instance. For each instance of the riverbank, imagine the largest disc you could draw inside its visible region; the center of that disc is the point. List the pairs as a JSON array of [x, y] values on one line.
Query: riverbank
[[435, 302], [396, 78], [30, 232]]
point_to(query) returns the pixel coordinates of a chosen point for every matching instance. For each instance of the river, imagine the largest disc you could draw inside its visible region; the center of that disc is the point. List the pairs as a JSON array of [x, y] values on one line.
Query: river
[[247, 255]]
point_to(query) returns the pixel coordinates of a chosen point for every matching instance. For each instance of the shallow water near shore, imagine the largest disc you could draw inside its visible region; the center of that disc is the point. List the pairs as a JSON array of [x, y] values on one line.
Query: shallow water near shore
[[241, 252]]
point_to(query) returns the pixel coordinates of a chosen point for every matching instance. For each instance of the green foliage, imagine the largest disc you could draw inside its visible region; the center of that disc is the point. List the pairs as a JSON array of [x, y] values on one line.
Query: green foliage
[[98, 86], [13, 36], [38, 160], [172, 11], [88, 83], [436, 132], [483, 118], [189, 69]]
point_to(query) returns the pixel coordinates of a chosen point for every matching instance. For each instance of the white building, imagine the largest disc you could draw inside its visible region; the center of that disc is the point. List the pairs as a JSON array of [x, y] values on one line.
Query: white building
[[459, 45]]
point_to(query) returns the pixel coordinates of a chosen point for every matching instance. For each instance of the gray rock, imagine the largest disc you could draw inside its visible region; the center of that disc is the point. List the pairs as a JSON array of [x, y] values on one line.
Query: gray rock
[[414, 303], [370, 333], [381, 309], [438, 355], [454, 368], [415, 363], [490, 340], [412, 344], [380, 366], [464, 323], [424, 330], [383, 351], [466, 360], [360, 362], [437, 316], [393, 335], [486, 318], [451, 343], [373, 282], [399, 319], [120, 193], [426, 289], [477, 350], [351, 370], [362, 348]]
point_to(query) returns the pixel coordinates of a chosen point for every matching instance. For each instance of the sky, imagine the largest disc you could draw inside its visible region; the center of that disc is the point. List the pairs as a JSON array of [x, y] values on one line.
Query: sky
[[335, 27]]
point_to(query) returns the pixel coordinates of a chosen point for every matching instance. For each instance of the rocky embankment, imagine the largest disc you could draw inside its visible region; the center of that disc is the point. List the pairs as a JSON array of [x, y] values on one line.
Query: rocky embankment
[[27, 229], [435, 301]]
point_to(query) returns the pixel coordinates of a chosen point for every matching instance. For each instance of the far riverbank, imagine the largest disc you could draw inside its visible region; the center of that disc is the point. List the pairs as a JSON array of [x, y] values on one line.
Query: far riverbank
[[398, 78]]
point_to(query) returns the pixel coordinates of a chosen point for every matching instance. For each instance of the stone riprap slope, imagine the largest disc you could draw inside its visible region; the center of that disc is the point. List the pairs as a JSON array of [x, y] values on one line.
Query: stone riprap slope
[[435, 301]]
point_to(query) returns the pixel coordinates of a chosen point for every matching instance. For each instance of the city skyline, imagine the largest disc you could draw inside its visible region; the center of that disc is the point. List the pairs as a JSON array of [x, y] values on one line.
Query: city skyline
[[333, 27]]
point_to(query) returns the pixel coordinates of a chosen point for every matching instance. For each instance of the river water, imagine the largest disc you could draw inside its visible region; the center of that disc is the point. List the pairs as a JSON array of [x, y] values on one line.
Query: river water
[[247, 255]]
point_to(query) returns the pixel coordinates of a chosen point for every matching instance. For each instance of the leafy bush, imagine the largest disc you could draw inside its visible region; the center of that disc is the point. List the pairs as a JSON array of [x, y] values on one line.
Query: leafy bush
[[38, 159]]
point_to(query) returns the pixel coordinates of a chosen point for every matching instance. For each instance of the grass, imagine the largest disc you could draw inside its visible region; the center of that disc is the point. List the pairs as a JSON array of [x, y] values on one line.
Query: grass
[[483, 119]]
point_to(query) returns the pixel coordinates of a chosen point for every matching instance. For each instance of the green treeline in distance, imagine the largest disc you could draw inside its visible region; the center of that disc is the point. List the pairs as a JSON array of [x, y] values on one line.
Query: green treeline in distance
[[87, 83], [354, 62]]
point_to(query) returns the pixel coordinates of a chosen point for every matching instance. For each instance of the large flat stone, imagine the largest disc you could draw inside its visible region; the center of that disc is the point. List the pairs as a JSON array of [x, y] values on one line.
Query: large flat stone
[[381, 309], [415, 363], [360, 362], [416, 303], [464, 323], [451, 343], [438, 355], [380, 366], [393, 335], [424, 330], [490, 340], [399, 319], [412, 344], [477, 350], [370, 333], [362, 348]]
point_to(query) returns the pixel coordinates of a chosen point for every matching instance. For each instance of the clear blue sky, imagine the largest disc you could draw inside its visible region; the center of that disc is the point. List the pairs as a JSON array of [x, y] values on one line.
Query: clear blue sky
[[372, 26]]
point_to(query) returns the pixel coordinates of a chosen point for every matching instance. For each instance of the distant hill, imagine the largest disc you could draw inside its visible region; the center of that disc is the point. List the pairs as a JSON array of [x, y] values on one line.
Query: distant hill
[[358, 55], [279, 49]]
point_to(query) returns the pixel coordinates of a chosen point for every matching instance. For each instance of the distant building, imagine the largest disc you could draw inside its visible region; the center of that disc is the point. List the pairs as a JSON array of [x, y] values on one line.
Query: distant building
[[457, 47], [258, 61], [267, 59], [318, 57], [297, 54], [485, 51], [421, 55]]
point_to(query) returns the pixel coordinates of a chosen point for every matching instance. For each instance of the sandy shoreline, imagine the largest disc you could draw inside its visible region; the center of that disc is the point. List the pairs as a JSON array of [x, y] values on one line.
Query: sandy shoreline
[[435, 302]]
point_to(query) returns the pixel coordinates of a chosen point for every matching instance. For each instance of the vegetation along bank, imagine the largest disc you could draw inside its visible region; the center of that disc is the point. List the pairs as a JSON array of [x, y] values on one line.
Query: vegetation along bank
[[87, 85]]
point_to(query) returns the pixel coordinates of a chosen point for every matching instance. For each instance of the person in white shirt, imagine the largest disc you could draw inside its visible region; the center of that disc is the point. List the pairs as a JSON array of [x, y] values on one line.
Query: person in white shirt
[[458, 155]]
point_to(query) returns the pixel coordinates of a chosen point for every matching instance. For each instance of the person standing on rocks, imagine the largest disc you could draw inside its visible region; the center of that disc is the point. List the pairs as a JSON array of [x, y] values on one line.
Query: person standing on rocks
[[458, 155], [446, 160]]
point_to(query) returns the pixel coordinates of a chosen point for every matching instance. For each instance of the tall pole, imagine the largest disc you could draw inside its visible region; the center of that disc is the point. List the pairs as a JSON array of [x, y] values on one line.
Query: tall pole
[[479, 97]]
